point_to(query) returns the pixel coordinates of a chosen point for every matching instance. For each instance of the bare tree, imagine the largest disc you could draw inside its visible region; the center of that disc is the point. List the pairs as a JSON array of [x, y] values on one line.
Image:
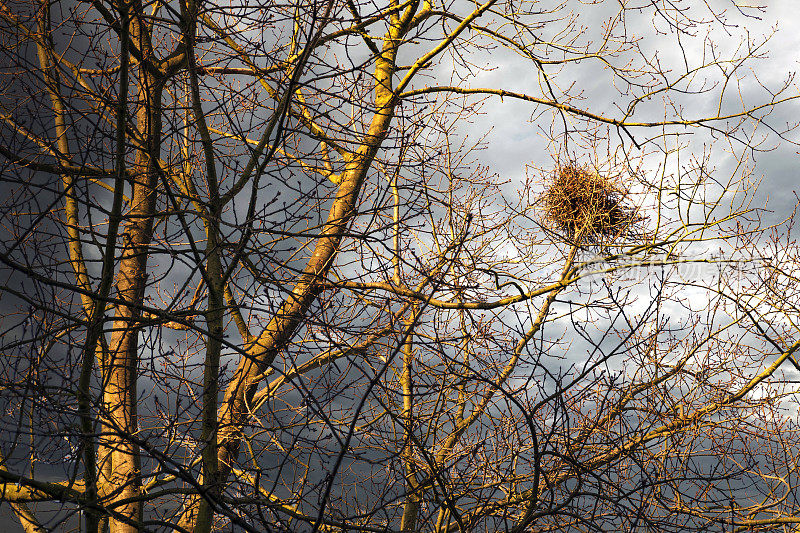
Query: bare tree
[[257, 274]]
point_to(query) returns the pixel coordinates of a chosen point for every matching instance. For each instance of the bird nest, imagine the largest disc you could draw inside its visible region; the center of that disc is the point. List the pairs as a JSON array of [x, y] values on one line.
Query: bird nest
[[588, 208]]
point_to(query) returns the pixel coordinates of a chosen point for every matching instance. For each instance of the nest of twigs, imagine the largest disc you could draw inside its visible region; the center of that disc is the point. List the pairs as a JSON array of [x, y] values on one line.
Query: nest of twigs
[[587, 207]]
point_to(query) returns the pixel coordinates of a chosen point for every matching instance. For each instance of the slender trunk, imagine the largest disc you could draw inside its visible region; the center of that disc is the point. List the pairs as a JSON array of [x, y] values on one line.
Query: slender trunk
[[213, 274], [93, 309], [276, 335], [408, 522], [120, 370]]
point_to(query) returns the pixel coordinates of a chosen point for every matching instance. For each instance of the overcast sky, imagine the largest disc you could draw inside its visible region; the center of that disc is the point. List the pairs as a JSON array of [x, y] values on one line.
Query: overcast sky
[[515, 141]]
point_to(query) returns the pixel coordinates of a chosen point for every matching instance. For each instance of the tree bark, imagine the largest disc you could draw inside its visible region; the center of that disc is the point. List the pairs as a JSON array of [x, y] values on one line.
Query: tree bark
[[120, 370]]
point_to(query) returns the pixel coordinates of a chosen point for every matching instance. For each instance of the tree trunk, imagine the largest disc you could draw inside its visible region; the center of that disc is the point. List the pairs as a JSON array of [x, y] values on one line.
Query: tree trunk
[[120, 370]]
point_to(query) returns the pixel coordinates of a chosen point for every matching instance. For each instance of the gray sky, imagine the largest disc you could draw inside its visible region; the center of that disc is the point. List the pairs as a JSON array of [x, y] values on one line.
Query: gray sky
[[514, 141]]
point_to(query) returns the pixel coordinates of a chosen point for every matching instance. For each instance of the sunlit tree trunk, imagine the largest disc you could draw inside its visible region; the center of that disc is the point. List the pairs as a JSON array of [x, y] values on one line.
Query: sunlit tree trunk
[[120, 369]]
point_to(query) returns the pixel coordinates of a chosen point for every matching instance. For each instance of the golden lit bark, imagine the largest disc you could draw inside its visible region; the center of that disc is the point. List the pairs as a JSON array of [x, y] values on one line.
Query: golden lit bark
[[121, 368]]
